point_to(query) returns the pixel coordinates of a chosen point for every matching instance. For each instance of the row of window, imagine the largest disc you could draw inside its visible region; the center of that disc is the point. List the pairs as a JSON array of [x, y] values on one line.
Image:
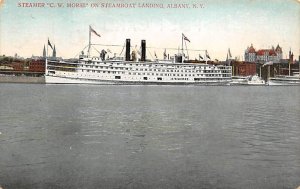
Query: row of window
[[148, 65], [94, 71], [146, 78], [178, 79], [157, 74], [141, 69]]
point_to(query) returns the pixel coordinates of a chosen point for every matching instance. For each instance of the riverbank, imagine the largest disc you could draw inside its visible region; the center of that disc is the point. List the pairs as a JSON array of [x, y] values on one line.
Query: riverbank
[[21, 79]]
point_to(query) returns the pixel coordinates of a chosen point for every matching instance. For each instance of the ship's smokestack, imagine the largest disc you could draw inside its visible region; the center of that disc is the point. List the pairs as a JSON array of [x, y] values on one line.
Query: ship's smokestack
[[127, 53], [143, 44]]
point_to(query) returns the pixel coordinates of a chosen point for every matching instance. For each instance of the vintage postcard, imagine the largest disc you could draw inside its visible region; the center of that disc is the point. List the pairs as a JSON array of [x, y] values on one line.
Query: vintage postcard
[[149, 94]]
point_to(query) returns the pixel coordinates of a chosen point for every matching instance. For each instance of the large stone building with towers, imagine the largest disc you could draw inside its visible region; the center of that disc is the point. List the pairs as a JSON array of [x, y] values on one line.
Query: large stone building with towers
[[263, 55]]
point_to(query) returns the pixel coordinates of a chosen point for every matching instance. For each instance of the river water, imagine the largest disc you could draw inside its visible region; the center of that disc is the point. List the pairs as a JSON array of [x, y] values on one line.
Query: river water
[[90, 136]]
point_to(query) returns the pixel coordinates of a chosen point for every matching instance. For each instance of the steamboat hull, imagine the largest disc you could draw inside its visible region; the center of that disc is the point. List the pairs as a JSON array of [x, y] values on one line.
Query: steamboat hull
[[113, 72], [68, 80]]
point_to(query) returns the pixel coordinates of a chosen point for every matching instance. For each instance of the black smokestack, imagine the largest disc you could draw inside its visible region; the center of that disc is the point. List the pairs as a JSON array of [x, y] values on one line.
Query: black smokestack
[[127, 56], [143, 58]]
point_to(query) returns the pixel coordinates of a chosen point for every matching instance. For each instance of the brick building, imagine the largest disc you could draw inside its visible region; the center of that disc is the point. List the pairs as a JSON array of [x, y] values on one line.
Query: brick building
[[243, 68], [263, 55], [37, 65]]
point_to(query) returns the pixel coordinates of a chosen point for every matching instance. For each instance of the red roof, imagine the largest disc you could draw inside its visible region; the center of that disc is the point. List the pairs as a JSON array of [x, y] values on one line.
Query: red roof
[[268, 52], [261, 52], [251, 49], [272, 53]]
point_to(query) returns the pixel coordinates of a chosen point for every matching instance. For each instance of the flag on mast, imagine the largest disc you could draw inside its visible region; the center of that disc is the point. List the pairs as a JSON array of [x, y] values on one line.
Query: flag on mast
[[50, 44], [207, 55], [229, 54], [165, 53], [93, 31], [185, 38]]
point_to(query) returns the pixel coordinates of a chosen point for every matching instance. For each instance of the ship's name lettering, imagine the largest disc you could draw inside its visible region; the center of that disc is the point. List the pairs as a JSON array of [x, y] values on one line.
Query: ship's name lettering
[[22, 4], [77, 5]]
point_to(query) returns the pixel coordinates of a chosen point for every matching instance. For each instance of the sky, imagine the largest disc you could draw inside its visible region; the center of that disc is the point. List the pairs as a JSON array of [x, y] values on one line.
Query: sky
[[217, 26]]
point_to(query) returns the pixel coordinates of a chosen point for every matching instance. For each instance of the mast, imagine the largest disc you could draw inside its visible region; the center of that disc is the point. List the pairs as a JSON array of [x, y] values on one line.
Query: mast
[[187, 52], [89, 48], [46, 61], [182, 48], [182, 43], [206, 57]]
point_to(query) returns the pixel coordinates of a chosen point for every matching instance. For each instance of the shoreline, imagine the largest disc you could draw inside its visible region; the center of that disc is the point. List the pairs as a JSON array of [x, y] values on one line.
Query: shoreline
[[22, 79]]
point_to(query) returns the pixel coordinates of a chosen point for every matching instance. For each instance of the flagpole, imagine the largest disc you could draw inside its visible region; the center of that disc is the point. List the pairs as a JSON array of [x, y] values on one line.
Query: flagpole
[[89, 41], [46, 62], [227, 60], [182, 48], [187, 52]]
